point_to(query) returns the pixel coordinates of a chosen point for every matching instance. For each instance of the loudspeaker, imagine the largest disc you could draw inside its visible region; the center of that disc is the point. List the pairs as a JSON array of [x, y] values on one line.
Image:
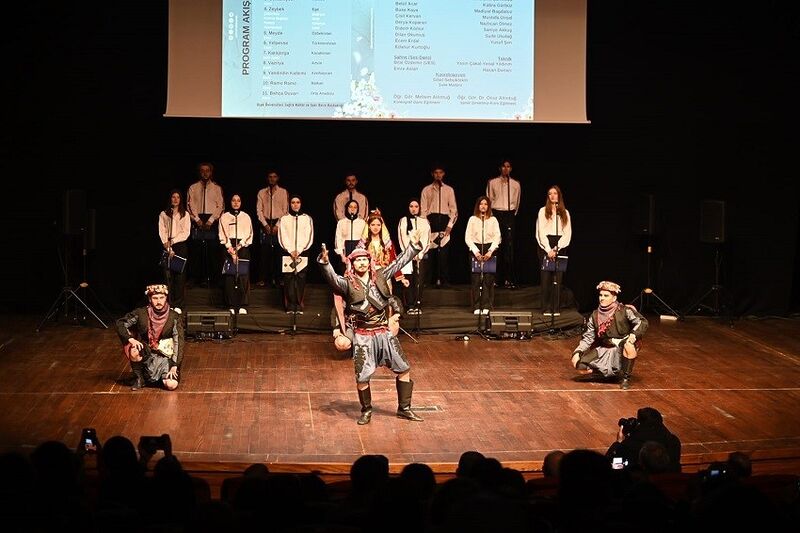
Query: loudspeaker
[[712, 221], [509, 322], [74, 212], [209, 324], [644, 222]]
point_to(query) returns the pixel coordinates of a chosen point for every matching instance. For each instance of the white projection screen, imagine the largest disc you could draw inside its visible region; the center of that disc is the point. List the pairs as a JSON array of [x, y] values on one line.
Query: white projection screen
[[426, 60]]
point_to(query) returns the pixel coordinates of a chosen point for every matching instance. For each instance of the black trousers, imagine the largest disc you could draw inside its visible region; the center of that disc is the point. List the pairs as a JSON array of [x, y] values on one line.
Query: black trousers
[[412, 295], [269, 258], [439, 269], [505, 263], [205, 259], [236, 289], [176, 281], [482, 298], [294, 287], [550, 286]]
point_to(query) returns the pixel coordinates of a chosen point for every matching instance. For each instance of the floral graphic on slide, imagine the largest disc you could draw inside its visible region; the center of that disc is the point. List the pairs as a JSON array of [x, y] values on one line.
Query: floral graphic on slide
[[365, 101], [527, 114]]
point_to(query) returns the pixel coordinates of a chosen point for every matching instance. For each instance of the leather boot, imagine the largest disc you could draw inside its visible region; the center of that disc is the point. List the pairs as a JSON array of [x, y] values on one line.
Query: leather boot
[[365, 397], [138, 375], [626, 370], [404, 390]]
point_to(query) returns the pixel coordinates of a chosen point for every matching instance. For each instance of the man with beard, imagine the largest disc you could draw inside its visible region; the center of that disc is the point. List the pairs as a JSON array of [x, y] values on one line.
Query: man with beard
[[368, 298], [152, 338]]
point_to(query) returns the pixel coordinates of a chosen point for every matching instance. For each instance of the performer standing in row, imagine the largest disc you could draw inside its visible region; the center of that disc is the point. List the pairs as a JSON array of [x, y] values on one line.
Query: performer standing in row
[[482, 237], [438, 206], [236, 236], [174, 227], [553, 234], [415, 270], [295, 234], [271, 204], [350, 193], [504, 193], [367, 295], [205, 204], [348, 231], [152, 339], [612, 339]]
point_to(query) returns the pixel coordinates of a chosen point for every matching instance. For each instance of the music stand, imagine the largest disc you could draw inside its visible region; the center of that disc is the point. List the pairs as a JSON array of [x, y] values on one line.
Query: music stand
[[647, 293], [67, 293]]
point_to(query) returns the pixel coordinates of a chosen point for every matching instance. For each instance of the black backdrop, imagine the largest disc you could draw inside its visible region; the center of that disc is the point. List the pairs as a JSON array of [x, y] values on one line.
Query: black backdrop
[[687, 102]]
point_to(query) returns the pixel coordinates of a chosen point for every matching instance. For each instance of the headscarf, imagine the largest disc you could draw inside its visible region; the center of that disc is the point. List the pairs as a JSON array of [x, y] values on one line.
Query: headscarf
[[410, 218], [231, 210], [347, 213], [292, 211]]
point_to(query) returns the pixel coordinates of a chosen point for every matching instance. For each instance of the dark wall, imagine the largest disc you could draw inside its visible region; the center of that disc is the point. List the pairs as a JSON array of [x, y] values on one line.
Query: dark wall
[[686, 104]]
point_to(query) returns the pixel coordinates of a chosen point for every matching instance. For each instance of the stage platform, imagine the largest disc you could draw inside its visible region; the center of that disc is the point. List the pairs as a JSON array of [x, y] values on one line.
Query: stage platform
[[445, 310], [290, 401]]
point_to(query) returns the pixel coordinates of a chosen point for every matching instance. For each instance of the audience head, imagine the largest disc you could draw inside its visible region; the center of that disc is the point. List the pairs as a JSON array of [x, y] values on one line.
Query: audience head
[[551, 464], [369, 473], [654, 458], [467, 462], [739, 465]]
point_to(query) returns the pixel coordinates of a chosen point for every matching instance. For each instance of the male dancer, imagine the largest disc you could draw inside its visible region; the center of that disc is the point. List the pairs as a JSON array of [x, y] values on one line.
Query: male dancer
[[367, 295]]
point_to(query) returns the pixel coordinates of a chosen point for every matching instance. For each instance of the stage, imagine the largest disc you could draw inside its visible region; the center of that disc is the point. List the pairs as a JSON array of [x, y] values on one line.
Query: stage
[[290, 401]]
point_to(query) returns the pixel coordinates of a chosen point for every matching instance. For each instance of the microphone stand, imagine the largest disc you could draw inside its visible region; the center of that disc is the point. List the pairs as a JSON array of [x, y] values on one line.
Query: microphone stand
[[294, 279], [555, 297]]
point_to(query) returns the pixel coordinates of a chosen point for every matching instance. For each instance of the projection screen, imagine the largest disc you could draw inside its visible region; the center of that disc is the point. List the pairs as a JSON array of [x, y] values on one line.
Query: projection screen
[[442, 60]]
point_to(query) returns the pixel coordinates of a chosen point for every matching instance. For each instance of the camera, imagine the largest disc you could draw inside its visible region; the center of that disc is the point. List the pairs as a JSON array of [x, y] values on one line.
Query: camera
[[89, 441], [618, 463], [628, 425], [151, 443]]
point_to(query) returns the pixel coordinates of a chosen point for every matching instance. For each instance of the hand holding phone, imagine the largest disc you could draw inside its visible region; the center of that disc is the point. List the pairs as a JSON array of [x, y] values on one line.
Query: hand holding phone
[[89, 441]]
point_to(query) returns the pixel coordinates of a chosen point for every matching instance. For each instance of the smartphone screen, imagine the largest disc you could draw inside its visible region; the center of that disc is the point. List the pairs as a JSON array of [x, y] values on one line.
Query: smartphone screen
[[618, 463]]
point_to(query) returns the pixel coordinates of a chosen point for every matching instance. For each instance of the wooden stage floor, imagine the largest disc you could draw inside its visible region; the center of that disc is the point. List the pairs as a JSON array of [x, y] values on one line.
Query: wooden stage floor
[[290, 401]]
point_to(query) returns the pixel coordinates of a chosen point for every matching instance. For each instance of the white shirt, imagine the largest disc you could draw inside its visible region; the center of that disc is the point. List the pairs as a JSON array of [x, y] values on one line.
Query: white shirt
[[482, 232], [205, 199], [295, 233], [235, 227], [499, 190], [347, 230], [175, 228], [546, 227], [271, 204], [423, 228], [441, 200]]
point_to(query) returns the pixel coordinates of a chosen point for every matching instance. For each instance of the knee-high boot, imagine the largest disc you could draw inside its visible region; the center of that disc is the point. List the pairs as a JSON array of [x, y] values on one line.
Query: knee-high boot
[[626, 370], [138, 375], [404, 391], [365, 397]]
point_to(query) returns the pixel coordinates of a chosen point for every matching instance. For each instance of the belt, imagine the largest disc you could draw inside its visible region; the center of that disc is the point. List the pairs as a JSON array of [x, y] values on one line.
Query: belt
[[372, 331]]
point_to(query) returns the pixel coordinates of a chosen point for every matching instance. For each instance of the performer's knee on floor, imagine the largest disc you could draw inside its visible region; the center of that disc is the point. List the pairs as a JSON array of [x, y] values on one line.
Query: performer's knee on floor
[[170, 384]]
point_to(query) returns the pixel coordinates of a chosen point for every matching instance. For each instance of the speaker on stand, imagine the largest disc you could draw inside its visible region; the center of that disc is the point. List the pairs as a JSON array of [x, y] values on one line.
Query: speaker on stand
[[645, 225], [712, 231], [78, 227]]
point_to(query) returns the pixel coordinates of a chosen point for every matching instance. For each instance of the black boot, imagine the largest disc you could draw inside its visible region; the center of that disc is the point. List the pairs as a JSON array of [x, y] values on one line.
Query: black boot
[[404, 390], [626, 370], [365, 397], [138, 375]]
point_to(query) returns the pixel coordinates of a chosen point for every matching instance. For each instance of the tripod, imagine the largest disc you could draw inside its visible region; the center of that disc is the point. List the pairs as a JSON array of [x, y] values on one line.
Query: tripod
[[715, 292], [647, 293], [67, 293]]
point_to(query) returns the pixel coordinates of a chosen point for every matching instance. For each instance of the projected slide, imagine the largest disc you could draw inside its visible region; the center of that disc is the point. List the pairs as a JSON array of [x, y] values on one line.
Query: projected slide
[[378, 59]]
